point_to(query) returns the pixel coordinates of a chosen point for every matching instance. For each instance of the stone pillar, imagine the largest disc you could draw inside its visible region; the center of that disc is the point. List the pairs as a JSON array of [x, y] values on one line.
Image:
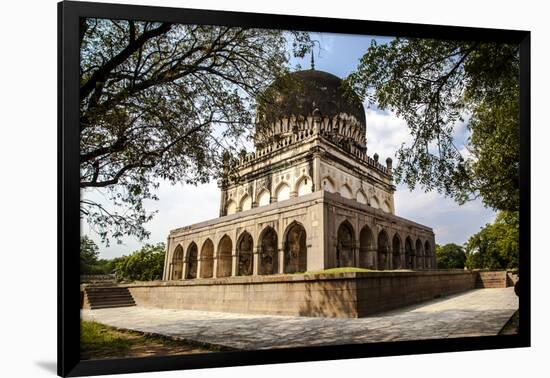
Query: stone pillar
[[199, 258], [256, 261], [234, 268], [281, 265], [166, 275], [215, 267], [316, 172], [372, 257], [184, 269]]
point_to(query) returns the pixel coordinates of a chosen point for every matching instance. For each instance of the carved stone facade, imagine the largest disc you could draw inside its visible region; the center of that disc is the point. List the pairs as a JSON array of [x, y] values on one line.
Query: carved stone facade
[[309, 198]]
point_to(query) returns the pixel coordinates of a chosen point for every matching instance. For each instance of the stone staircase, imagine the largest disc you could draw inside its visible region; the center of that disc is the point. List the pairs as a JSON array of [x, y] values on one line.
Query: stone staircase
[[107, 297]]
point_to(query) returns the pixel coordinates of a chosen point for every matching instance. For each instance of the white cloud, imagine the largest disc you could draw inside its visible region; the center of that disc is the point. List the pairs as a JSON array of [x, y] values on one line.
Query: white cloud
[[385, 133]]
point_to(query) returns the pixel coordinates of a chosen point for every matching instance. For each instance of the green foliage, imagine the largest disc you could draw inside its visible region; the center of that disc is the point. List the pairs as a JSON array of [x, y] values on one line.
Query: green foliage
[[496, 246], [450, 256], [145, 264], [436, 86], [89, 261], [165, 101], [89, 253]]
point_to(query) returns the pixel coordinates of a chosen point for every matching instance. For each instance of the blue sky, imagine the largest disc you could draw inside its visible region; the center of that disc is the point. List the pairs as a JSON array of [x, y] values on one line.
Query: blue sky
[[180, 205]]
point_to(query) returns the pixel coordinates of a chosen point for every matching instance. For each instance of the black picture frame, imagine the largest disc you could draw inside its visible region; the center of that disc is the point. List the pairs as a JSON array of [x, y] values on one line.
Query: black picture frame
[[69, 363]]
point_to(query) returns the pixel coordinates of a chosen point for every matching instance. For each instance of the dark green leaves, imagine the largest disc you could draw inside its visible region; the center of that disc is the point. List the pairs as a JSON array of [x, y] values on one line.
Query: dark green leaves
[[435, 86], [165, 102]]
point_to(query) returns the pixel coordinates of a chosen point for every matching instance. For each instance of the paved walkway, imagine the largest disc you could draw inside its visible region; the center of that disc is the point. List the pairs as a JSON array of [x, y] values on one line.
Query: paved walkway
[[474, 313]]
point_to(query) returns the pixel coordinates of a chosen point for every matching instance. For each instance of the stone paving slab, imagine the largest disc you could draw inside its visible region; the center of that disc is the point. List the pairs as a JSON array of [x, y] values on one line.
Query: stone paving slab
[[480, 312]]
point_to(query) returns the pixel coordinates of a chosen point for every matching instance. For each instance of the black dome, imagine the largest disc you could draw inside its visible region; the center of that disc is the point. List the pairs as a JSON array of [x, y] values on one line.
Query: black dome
[[301, 92]]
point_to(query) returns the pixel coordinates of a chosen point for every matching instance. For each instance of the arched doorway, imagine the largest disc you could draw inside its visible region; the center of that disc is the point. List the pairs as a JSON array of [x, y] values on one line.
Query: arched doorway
[[225, 260], [419, 255], [177, 263], [396, 249], [365, 248], [207, 259], [295, 257], [192, 261], [428, 255], [244, 255], [409, 254], [345, 245], [268, 252], [383, 250]]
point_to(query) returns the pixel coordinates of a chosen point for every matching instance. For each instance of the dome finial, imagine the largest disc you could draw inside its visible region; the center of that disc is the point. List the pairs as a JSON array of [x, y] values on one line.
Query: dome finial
[[312, 59]]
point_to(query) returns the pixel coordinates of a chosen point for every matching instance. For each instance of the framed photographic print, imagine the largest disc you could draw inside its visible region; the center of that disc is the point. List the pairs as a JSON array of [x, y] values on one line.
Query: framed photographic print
[[255, 189]]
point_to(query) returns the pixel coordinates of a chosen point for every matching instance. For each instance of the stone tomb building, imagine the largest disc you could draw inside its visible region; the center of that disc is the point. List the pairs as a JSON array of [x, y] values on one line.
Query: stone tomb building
[[309, 198]]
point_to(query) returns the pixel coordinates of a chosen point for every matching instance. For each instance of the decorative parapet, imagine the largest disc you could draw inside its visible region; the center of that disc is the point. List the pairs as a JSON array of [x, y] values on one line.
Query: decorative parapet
[[311, 133]]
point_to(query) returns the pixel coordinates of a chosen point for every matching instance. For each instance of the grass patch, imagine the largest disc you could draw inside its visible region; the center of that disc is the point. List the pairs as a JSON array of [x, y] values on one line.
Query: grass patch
[[98, 341]]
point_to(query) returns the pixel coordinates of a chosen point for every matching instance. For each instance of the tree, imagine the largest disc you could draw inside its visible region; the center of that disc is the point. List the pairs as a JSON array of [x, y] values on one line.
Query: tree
[[495, 246], [89, 253], [161, 101], [435, 86], [145, 264], [450, 256]]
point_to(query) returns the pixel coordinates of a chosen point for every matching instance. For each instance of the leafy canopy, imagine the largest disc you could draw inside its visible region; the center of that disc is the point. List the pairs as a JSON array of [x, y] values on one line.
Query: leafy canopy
[[89, 253], [161, 101], [145, 264], [495, 246], [436, 86], [450, 256]]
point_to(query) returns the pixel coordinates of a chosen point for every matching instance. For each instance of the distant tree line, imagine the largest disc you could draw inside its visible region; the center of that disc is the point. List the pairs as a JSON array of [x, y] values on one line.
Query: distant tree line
[[145, 264], [495, 246]]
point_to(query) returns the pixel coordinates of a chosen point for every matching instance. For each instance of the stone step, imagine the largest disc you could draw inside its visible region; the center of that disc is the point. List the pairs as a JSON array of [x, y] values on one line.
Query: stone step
[[96, 307], [109, 297], [112, 300]]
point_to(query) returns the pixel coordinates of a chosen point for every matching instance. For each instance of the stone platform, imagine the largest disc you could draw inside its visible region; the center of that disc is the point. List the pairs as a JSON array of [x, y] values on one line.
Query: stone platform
[[479, 312], [347, 295]]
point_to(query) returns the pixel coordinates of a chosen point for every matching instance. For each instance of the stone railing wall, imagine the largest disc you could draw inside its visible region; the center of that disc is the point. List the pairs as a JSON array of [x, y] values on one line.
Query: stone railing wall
[[347, 295], [311, 134]]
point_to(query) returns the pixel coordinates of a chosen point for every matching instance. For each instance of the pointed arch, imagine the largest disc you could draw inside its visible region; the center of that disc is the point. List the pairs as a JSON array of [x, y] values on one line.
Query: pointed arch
[[428, 258], [419, 254], [207, 259], [282, 192], [304, 185], [383, 250], [366, 242], [295, 253], [345, 245], [328, 185], [396, 251], [244, 254], [231, 207], [224, 256], [177, 263], [246, 202], [345, 191], [409, 254], [269, 256], [386, 207], [264, 197], [192, 261]]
